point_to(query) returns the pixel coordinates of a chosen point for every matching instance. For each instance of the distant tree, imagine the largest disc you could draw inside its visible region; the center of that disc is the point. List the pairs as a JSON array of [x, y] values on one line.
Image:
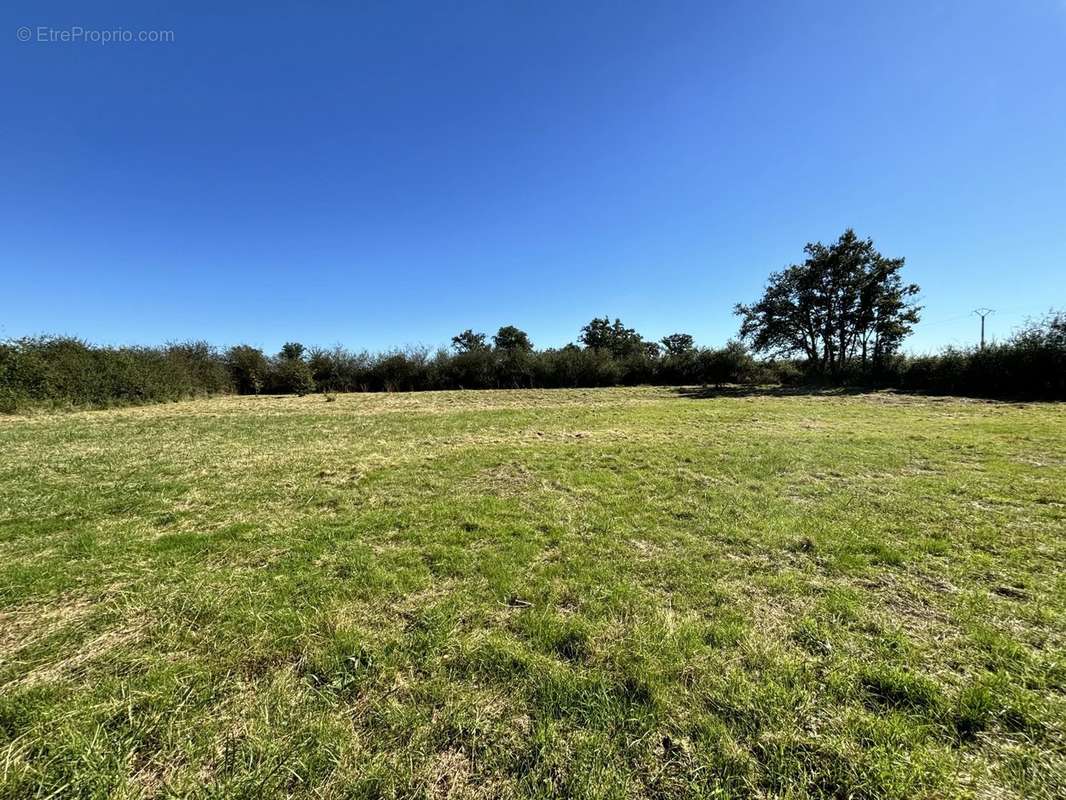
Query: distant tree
[[473, 365], [248, 368], [291, 374], [845, 302], [514, 357], [615, 338], [679, 360], [599, 334], [292, 350], [469, 342], [512, 340], [678, 344]]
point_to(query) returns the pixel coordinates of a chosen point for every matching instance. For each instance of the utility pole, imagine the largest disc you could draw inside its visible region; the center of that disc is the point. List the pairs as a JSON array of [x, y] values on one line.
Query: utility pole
[[982, 313]]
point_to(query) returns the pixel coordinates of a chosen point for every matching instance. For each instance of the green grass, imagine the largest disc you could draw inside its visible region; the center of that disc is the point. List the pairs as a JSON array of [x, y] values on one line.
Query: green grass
[[607, 593]]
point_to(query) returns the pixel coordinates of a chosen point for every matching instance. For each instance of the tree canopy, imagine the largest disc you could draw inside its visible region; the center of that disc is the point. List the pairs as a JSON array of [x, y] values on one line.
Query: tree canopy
[[614, 338], [678, 344], [292, 351], [512, 340], [469, 342], [845, 302]]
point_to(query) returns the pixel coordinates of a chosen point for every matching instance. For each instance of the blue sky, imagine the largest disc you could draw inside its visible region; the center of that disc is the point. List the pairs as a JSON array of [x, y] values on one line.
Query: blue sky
[[391, 173]]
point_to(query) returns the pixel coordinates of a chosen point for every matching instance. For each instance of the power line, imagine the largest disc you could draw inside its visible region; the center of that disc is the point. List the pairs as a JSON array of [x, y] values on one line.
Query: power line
[[935, 322]]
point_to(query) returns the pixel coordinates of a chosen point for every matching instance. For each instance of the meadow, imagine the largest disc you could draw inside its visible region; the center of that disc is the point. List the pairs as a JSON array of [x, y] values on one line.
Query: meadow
[[610, 593]]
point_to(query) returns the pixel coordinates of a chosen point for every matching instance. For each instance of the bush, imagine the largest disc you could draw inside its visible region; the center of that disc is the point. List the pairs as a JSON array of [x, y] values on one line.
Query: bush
[[784, 372], [338, 370], [573, 366], [203, 365], [681, 368], [66, 371], [404, 371], [514, 369], [248, 368], [291, 376], [290, 373], [472, 369], [1032, 363], [730, 364]]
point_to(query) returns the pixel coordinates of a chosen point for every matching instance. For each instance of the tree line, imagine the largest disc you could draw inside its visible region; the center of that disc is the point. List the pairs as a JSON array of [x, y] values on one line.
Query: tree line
[[837, 318], [67, 371]]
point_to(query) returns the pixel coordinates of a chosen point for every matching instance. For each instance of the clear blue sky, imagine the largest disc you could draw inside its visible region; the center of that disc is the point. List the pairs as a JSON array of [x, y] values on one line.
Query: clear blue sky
[[392, 173]]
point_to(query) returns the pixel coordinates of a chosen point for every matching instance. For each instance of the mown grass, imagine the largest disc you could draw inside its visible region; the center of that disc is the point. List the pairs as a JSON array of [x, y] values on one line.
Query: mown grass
[[605, 593]]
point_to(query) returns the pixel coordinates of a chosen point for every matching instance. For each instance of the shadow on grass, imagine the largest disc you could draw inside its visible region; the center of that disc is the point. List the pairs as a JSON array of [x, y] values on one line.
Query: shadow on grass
[[736, 390]]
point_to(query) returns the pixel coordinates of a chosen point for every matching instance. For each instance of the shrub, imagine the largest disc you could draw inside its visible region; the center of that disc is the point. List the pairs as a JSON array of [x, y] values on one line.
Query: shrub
[[339, 370], [291, 376], [290, 373], [573, 366], [784, 372], [248, 368], [1032, 363], [473, 368], [404, 371], [514, 369], [730, 364], [63, 370], [203, 366]]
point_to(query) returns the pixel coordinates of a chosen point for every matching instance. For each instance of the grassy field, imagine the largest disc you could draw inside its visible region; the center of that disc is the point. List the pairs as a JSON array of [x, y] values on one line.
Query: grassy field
[[607, 593]]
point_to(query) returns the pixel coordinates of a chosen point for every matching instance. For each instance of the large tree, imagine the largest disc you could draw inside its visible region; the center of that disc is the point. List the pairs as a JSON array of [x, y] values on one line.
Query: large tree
[[292, 351], [615, 338], [845, 303], [510, 339], [678, 344], [469, 342]]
